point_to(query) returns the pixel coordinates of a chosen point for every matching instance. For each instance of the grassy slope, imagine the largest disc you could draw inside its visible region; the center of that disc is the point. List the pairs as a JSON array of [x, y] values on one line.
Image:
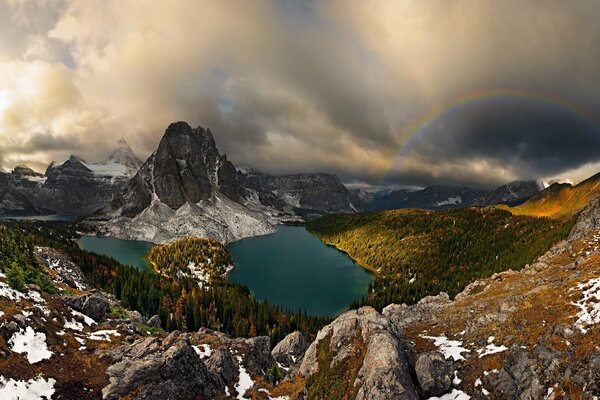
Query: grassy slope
[[560, 201], [415, 253]]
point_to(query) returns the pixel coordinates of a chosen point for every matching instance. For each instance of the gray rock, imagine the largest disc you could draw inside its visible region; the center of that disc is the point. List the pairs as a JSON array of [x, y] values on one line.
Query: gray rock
[[93, 306], [12, 326], [220, 363], [402, 315], [257, 353], [20, 320], [384, 373], [154, 322], [291, 349], [434, 373], [135, 316], [152, 370]]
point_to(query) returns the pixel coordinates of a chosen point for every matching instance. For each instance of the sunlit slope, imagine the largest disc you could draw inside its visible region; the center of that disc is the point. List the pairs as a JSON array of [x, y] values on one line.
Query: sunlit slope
[[415, 253], [560, 200]]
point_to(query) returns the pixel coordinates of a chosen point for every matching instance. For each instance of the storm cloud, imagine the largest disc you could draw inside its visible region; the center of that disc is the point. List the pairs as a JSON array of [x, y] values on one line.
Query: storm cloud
[[299, 86]]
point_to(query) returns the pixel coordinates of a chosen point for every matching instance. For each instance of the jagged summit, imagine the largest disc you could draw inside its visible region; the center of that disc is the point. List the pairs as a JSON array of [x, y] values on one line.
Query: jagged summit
[[123, 155]]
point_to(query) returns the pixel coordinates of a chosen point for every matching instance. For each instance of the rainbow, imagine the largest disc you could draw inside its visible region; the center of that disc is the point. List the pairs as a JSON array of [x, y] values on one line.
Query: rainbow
[[417, 128]]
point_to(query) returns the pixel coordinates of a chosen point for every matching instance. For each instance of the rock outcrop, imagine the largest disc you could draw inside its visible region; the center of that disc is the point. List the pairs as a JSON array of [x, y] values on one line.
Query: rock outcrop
[[384, 372], [94, 307], [290, 350], [160, 369]]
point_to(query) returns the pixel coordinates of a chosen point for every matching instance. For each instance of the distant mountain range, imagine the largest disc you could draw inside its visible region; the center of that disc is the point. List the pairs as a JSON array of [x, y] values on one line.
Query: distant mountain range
[[445, 197], [73, 187], [187, 187]]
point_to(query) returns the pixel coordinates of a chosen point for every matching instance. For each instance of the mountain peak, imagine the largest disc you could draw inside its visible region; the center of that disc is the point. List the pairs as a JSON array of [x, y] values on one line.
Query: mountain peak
[[76, 158], [123, 144]]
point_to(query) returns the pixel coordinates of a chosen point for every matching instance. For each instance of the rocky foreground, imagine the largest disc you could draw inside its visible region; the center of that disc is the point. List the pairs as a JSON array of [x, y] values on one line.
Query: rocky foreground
[[533, 334]]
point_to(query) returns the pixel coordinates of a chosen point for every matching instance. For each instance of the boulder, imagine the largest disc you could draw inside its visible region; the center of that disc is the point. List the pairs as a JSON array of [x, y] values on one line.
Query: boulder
[[135, 317], [150, 369], [385, 372], [434, 373], [291, 349], [220, 364], [257, 353], [154, 322], [93, 306]]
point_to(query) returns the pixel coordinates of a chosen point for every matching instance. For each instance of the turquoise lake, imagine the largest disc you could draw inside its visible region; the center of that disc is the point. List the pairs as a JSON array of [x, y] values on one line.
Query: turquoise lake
[[291, 268], [129, 252], [295, 270]]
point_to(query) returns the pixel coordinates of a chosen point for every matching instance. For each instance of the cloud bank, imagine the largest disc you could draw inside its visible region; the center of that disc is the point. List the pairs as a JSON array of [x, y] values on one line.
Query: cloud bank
[[300, 86]]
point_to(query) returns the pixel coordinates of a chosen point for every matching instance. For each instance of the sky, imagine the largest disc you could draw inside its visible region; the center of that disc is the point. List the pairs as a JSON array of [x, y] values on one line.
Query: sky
[[376, 92]]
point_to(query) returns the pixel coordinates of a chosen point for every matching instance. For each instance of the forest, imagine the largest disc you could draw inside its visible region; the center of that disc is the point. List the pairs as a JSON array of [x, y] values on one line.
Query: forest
[[180, 303], [203, 258], [416, 253]]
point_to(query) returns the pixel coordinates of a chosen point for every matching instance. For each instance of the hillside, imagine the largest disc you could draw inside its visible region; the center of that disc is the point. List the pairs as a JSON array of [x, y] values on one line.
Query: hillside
[[204, 260], [179, 301], [560, 200], [415, 253]]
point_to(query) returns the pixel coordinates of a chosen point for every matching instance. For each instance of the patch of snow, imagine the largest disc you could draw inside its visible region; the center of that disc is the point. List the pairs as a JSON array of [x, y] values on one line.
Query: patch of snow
[[15, 295], [73, 325], [456, 380], [455, 394], [36, 179], [81, 342], [109, 169], [31, 342], [589, 304], [450, 201], [449, 348], [32, 389], [272, 398], [88, 321], [203, 351], [245, 381], [478, 382], [491, 348], [104, 335]]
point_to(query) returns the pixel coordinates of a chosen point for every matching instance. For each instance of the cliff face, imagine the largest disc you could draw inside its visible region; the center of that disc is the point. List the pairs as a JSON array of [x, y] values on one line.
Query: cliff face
[[188, 188], [185, 188]]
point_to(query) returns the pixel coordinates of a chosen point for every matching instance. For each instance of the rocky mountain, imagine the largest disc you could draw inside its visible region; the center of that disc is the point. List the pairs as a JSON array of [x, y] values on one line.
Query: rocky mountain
[[429, 198], [445, 197], [512, 194], [304, 194], [185, 188], [12, 201], [74, 187], [188, 188]]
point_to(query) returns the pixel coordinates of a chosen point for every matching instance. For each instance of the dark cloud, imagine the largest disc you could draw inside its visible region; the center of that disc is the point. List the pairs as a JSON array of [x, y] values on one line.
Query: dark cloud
[[308, 86]]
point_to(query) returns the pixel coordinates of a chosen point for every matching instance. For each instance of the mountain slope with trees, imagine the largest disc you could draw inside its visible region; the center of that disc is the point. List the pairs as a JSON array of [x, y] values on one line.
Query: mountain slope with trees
[[415, 253]]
